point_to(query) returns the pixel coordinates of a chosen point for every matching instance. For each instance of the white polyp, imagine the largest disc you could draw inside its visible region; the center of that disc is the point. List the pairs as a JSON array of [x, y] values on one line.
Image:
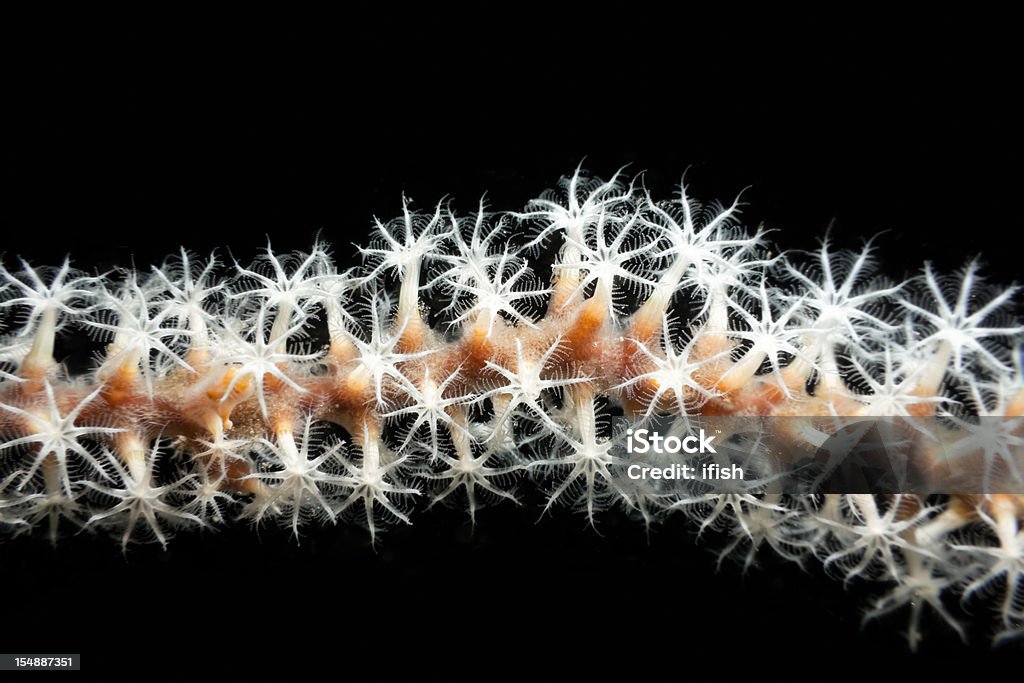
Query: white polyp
[[668, 283], [1007, 527], [655, 308], [865, 504], [54, 490], [41, 352], [370, 444], [335, 320], [935, 369], [197, 325], [279, 330], [120, 355], [718, 315], [408, 295], [132, 452], [932, 532], [828, 369], [288, 451], [570, 254], [744, 370]]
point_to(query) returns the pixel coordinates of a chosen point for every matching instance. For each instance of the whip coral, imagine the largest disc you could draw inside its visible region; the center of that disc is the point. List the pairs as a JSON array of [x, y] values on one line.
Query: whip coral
[[445, 369]]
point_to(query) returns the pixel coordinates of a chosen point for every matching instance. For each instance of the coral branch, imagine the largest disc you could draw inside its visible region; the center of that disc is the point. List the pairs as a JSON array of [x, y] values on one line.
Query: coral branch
[[447, 372]]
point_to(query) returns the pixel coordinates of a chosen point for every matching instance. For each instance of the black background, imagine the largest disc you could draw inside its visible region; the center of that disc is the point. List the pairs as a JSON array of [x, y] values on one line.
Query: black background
[[128, 137]]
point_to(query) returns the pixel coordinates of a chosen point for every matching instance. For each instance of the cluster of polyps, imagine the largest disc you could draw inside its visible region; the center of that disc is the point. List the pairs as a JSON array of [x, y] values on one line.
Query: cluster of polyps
[[211, 402]]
